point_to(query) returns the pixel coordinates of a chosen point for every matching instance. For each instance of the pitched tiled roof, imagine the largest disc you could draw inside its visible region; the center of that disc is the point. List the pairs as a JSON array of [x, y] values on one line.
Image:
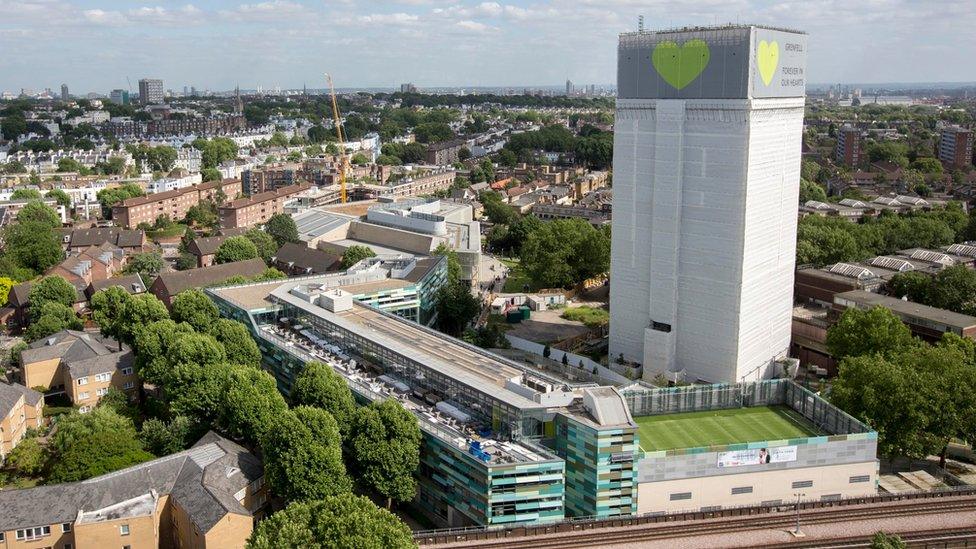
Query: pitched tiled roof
[[206, 245], [302, 257], [83, 238], [175, 282], [10, 394], [203, 480]]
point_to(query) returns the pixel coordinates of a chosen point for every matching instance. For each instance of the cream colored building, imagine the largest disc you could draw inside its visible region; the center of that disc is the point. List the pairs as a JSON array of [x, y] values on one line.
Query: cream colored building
[[81, 365], [205, 497], [20, 409]]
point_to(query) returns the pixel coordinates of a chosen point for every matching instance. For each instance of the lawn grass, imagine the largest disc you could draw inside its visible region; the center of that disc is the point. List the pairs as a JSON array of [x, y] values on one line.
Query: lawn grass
[[177, 229], [592, 317], [717, 427], [517, 279]]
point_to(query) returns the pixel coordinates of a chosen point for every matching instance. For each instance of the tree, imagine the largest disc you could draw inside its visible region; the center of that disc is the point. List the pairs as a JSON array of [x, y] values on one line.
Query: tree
[[456, 307], [27, 458], [195, 308], [252, 404], [954, 288], [265, 244], [355, 254], [216, 150], [6, 284], [303, 456], [385, 448], [811, 191], [61, 197], [320, 386], [282, 229], [32, 245], [360, 159], [147, 264], [453, 263], [51, 289], [464, 153], [13, 126], [914, 285], [69, 164], [36, 211], [112, 196], [138, 311], [564, 252], [26, 194], [887, 541], [344, 520], [317, 134], [162, 438], [210, 174], [238, 343], [92, 444], [53, 317], [236, 248], [868, 332]]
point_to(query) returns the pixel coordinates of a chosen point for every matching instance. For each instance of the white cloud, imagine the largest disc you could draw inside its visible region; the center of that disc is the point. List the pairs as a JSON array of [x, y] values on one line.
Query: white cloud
[[102, 17], [474, 26]]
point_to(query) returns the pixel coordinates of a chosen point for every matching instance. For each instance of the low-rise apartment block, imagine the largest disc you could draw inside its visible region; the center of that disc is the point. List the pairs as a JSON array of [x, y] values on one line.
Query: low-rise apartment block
[[20, 409], [206, 497], [83, 366], [258, 209], [419, 184], [173, 204]]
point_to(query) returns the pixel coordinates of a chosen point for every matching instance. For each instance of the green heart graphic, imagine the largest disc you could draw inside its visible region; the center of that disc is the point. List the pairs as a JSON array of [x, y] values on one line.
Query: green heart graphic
[[680, 66]]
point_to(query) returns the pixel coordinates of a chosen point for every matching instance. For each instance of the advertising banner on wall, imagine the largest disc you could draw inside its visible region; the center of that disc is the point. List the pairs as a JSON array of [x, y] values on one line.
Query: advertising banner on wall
[[761, 456]]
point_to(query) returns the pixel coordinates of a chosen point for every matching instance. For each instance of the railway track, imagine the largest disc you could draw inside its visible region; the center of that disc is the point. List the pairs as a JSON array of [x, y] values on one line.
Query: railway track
[[955, 538], [589, 537]]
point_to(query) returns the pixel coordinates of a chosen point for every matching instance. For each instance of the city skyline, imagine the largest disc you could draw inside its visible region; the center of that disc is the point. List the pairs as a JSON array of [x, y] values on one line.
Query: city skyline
[[432, 43]]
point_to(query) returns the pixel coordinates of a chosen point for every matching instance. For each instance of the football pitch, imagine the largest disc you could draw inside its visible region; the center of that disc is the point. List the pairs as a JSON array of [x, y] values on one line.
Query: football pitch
[[715, 427]]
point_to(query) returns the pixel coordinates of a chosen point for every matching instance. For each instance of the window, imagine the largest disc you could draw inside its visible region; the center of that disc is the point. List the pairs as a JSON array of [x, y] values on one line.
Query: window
[[128, 385], [82, 381], [30, 534], [101, 378], [66, 527], [1, 537], [83, 396], [680, 496], [742, 490], [803, 484], [102, 392], [127, 371], [67, 546], [661, 327], [124, 529], [860, 478]]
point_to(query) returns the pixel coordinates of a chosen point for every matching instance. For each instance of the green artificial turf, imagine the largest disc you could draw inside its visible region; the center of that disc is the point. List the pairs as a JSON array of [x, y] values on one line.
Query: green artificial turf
[[716, 427]]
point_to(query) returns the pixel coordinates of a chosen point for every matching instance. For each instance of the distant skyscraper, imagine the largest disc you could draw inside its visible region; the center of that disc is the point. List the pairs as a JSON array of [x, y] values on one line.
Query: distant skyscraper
[[707, 143], [119, 96], [569, 87], [150, 91], [408, 88], [64, 92], [186, 91]]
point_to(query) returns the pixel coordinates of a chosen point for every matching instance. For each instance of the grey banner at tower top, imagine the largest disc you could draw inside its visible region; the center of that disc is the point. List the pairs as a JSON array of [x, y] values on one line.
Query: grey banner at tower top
[[732, 62]]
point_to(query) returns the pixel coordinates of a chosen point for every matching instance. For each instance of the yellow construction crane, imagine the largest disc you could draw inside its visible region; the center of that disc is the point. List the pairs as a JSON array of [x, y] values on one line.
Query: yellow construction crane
[[343, 159]]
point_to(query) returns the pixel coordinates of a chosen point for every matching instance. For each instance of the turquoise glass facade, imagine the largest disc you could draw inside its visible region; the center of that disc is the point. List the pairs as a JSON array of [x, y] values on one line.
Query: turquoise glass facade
[[601, 468], [457, 489]]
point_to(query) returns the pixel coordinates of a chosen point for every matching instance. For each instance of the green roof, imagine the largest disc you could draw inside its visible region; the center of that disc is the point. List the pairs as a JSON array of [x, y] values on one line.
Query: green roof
[[720, 427]]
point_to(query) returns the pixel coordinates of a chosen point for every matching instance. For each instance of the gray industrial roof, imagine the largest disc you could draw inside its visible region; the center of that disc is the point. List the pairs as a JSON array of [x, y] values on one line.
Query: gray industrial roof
[[315, 223]]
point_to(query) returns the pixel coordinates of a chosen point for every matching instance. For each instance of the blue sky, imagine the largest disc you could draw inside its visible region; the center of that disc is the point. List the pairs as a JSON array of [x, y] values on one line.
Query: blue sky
[[94, 44]]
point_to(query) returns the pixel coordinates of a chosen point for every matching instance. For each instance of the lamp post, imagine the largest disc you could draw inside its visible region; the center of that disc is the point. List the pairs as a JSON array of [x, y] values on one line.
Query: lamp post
[[796, 532]]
